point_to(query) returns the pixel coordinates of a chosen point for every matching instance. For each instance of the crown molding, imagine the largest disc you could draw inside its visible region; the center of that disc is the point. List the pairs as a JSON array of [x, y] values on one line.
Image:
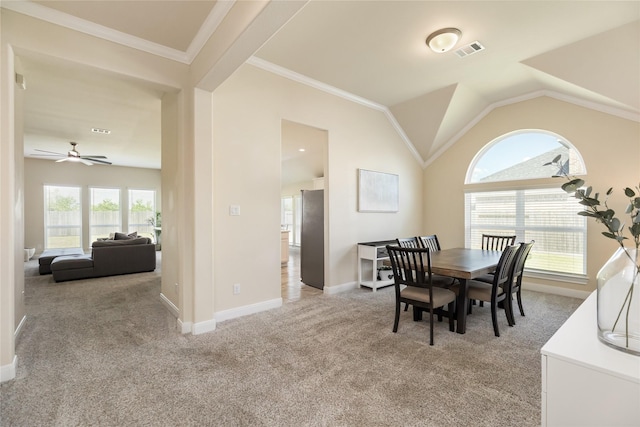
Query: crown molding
[[536, 94], [292, 75], [211, 23]]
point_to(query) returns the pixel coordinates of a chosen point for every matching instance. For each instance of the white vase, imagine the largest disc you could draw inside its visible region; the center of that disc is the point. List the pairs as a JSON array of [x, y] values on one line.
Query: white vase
[[619, 302]]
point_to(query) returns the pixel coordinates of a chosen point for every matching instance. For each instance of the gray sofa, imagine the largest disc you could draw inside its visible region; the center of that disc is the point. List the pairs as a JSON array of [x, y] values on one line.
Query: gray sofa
[[107, 258]]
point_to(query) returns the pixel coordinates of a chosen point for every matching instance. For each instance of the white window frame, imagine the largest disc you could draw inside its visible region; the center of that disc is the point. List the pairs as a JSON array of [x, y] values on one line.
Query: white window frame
[[131, 227], [115, 227], [47, 226], [523, 185]]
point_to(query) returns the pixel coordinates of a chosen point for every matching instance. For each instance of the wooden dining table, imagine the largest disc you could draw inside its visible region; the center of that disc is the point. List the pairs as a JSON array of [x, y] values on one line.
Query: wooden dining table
[[464, 264]]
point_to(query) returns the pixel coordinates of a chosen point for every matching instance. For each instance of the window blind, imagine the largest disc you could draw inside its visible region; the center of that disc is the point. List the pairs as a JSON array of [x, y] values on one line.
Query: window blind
[[548, 215]]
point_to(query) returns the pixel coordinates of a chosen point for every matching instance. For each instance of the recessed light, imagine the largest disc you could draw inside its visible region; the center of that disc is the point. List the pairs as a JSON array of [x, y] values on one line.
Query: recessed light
[[101, 131], [301, 149]]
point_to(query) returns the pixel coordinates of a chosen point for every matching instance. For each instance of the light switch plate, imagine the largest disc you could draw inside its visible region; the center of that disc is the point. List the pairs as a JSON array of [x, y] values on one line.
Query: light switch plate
[[234, 210]]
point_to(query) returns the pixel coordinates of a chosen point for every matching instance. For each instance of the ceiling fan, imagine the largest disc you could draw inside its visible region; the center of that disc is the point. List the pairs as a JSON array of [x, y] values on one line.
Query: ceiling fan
[[74, 156]]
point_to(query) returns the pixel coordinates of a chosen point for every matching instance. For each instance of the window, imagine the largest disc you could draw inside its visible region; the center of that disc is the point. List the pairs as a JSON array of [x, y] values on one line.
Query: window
[[62, 217], [529, 206], [105, 215], [520, 155], [290, 215], [142, 208]]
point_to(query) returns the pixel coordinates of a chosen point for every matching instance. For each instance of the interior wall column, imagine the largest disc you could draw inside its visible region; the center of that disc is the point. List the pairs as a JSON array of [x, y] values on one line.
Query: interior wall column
[[8, 360], [203, 283]]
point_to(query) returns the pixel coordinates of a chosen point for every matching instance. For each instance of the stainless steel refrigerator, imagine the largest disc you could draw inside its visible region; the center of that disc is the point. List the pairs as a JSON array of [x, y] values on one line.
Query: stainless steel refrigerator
[[312, 238]]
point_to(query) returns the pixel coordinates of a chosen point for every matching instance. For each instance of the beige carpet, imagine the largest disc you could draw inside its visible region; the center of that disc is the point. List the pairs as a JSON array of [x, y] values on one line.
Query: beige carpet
[[105, 352]]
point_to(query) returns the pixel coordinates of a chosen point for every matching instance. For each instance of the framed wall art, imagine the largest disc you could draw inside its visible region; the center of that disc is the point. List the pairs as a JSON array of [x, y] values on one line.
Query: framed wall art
[[377, 191]]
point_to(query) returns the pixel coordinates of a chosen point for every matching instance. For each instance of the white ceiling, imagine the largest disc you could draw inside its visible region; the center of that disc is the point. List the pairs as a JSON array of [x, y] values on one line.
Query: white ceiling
[[372, 51]]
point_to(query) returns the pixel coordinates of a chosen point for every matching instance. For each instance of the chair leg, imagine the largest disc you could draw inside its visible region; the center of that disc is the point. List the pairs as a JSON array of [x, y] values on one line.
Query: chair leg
[[395, 323], [494, 318], [508, 310], [406, 306], [519, 296], [431, 326]]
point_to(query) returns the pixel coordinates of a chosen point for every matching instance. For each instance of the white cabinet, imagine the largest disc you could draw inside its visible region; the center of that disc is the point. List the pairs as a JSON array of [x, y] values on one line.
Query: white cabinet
[[585, 382], [372, 254]]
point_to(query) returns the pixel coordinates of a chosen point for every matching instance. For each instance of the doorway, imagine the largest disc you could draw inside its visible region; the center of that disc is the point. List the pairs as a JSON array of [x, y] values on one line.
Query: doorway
[[303, 166]]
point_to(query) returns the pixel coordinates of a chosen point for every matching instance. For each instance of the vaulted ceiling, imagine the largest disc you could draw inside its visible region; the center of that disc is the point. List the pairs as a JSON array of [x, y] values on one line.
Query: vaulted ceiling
[[374, 52]]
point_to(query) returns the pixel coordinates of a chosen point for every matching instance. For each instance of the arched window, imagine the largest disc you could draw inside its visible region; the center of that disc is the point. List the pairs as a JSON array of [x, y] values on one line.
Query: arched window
[[509, 191], [521, 155]]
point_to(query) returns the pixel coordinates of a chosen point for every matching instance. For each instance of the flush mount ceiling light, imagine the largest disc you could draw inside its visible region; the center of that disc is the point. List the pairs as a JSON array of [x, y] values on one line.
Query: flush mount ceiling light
[[443, 40]]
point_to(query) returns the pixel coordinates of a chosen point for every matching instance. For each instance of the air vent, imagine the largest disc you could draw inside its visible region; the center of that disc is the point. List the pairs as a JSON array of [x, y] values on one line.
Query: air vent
[[101, 131], [469, 49]]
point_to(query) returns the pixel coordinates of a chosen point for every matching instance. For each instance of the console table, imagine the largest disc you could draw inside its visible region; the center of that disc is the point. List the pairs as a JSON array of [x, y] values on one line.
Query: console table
[[374, 253], [585, 382]]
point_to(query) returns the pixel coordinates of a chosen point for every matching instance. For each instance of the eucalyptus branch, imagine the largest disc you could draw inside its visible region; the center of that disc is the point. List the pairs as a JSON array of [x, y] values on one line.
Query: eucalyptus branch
[[602, 213]]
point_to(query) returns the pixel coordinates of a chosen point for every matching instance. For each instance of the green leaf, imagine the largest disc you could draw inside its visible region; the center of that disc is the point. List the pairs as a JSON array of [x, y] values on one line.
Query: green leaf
[[615, 224], [588, 201], [635, 229], [629, 208], [609, 191], [588, 191], [573, 185], [636, 202], [609, 235], [629, 192]]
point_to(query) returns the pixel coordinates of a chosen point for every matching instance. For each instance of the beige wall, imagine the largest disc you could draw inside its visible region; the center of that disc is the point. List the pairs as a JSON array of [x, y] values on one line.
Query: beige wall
[[46, 172], [248, 109], [610, 147]]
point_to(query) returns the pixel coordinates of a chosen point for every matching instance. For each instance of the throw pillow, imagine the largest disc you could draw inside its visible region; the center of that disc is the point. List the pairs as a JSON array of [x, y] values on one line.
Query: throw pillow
[[124, 236]]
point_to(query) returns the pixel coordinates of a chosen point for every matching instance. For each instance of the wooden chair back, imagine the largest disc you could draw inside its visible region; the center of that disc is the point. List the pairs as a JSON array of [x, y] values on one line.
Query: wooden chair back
[[409, 242], [494, 242], [430, 242]]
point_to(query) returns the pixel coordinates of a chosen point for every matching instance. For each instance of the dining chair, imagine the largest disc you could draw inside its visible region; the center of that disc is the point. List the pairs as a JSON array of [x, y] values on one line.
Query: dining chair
[[430, 242], [498, 290], [516, 278], [494, 242], [412, 283], [408, 242], [433, 244]]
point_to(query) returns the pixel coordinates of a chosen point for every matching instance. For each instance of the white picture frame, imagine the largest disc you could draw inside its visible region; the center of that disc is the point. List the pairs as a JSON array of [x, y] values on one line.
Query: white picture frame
[[378, 191]]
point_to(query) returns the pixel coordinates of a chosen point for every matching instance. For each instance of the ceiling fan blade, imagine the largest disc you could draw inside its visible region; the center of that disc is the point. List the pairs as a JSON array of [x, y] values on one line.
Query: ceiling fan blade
[[46, 151], [104, 162], [93, 157], [62, 160], [47, 155], [86, 162]]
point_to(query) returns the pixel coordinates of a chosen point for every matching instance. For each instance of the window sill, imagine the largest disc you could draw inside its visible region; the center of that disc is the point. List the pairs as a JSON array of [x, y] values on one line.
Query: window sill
[[579, 279]]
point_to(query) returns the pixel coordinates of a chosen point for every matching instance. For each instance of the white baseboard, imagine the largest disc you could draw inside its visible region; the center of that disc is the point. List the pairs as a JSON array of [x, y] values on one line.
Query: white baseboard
[[332, 290], [555, 290], [203, 327], [184, 327], [18, 331], [232, 313], [8, 372], [171, 306]]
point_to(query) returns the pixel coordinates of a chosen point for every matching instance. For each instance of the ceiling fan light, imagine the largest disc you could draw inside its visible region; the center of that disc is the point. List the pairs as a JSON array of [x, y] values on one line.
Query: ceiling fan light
[[443, 40]]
